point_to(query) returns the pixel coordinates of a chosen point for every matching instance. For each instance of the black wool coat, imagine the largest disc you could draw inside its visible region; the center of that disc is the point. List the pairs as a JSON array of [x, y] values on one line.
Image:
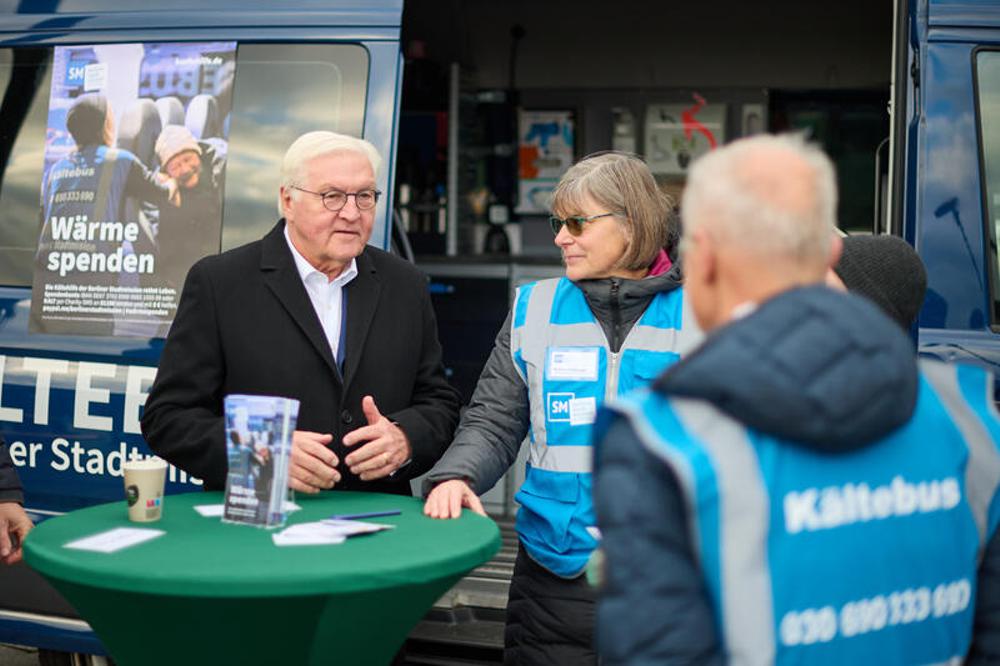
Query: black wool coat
[[245, 324]]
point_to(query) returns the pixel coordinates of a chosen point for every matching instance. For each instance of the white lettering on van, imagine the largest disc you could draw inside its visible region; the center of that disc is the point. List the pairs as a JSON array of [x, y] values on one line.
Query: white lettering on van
[[87, 394], [62, 464], [43, 369], [49, 375], [11, 414], [137, 383]]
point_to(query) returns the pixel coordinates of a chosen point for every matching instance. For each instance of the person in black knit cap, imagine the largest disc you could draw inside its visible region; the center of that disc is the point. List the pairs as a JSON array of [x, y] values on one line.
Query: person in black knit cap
[[885, 269]]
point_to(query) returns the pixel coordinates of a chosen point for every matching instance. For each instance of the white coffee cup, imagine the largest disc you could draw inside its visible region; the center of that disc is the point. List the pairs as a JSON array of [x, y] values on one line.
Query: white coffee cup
[[144, 480]]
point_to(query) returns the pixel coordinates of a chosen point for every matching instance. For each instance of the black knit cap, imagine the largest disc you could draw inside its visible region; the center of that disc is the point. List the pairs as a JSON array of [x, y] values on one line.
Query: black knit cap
[[85, 119], [886, 270]]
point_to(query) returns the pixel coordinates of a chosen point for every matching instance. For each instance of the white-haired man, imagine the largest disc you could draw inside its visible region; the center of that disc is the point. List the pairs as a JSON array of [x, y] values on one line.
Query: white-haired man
[[799, 489], [310, 312]]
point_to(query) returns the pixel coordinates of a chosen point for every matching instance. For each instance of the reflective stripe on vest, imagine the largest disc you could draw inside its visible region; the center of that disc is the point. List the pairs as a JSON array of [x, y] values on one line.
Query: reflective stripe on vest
[[743, 583], [744, 517], [534, 333], [530, 342], [982, 475], [856, 513]]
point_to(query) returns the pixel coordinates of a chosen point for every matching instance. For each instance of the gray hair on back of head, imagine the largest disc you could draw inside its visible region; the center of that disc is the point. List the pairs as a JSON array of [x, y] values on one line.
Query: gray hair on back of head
[[775, 195], [622, 183], [311, 145]]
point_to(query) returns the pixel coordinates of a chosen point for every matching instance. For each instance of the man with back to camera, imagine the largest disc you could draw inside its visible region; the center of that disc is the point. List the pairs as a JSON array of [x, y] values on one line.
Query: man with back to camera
[[799, 489], [14, 522], [193, 228], [310, 312]]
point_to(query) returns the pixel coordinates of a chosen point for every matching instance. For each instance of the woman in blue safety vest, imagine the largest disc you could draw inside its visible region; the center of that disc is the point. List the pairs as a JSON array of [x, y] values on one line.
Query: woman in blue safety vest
[[613, 323]]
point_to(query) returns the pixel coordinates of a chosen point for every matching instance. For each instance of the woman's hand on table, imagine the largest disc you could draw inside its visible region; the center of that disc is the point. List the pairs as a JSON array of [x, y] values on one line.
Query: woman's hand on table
[[314, 466], [448, 498], [14, 526]]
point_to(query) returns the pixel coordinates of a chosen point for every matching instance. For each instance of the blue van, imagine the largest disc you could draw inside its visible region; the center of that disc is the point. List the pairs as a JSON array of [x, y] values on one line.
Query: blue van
[[249, 76], [255, 75]]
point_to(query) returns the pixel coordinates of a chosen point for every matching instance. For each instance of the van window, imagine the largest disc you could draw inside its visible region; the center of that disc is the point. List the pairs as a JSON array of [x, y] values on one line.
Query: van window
[[988, 83], [25, 75], [280, 91]]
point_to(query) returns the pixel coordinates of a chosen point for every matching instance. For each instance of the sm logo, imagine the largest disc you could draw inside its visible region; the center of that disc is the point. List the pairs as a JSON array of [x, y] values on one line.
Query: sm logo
[[76, 72], [557, 406]]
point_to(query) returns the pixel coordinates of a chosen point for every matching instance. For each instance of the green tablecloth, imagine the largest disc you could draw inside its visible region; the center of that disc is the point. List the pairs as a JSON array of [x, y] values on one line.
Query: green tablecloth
[[208, 592]]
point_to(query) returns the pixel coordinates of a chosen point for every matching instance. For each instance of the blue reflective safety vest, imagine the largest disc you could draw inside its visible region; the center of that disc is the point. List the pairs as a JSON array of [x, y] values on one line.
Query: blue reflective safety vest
[[561, 353], [865, 557]]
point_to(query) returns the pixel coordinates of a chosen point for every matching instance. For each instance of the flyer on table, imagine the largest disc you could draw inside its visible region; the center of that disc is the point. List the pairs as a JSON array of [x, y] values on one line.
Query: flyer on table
[[135, 155], [258, 447]]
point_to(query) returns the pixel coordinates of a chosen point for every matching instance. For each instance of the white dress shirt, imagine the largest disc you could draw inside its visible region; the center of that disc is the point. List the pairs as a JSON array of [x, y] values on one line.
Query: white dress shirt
[[327, 295]]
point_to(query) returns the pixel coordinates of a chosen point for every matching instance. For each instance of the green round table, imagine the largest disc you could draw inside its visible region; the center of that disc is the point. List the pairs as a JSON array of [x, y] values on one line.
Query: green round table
[[207, 592]]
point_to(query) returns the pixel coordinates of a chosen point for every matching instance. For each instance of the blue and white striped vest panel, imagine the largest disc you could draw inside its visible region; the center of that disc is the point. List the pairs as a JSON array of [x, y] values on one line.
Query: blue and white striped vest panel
[[562, 355], [866, 557]]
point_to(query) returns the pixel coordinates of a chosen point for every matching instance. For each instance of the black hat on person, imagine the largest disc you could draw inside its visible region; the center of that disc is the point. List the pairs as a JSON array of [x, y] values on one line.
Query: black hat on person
[[887, 270], [85, 119]]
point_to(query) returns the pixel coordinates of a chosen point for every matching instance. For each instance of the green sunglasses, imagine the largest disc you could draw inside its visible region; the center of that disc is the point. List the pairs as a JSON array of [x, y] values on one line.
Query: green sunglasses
[[574, 225]]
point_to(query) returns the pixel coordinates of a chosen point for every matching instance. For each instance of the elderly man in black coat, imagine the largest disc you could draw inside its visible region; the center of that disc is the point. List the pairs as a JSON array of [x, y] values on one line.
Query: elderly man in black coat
[[310, 312]]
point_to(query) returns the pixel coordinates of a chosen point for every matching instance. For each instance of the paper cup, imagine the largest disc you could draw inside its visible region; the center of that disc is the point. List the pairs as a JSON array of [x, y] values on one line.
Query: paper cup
[[144, 481]]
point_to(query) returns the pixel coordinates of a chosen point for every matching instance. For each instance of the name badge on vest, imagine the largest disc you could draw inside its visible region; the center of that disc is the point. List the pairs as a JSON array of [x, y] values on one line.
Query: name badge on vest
[[573, 363], [582, 411]]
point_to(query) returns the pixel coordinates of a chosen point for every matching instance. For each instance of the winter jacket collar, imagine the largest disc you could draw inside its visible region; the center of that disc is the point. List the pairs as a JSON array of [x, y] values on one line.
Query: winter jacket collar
[[821, 368], [617, 303]]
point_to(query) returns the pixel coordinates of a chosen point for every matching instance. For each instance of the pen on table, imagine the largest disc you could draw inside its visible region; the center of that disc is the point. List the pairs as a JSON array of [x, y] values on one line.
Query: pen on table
[[369, 514]]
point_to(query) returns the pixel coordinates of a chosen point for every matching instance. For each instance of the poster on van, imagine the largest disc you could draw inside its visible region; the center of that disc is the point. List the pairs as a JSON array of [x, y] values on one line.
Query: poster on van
[[135, 158]]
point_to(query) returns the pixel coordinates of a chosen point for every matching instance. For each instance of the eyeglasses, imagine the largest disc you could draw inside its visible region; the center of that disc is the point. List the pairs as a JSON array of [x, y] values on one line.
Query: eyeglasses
[[334, 200], [574, 225]]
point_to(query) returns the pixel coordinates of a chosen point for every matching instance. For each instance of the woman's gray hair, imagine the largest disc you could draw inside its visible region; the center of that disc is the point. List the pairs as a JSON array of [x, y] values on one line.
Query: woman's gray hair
[[789, 212], [623, 184], [311, 145]]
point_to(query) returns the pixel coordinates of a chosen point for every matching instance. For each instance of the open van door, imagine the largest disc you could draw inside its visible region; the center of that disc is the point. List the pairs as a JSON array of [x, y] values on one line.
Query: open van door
[[889, 188]]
